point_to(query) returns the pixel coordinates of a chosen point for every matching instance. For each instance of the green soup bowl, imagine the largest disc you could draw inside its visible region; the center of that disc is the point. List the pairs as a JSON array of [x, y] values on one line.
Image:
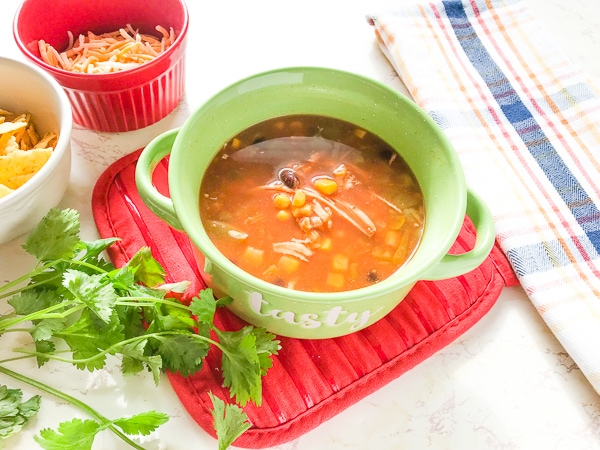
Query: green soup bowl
[[366, 103]]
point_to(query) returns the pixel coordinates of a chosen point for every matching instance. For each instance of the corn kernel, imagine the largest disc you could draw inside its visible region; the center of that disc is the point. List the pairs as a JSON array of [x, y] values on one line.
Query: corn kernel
[[281, 201], [335, 280], [325, 185], [283, 215], [299, 198]]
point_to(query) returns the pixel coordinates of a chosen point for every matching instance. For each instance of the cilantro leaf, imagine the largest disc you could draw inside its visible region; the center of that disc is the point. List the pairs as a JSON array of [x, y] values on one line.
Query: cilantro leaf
[[55, 237], [92, 291], [45, 329], [266, 346], [14, 413], [182, 353], [33, 300], [230, 421], [144, 423], [74, 435], [241, 365], [246, 358], [42, 347], [224, 301], [85, 339], [132, 321], [147, 270], [204, 306], [134, 359], [169, 317], [95, 248]]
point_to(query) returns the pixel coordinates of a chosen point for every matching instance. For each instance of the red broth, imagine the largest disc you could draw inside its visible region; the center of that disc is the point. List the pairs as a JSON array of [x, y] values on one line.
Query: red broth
[[312, 203]]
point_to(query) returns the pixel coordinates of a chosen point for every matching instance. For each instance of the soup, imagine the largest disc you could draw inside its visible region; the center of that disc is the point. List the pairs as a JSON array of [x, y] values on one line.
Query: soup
[[312, 203]]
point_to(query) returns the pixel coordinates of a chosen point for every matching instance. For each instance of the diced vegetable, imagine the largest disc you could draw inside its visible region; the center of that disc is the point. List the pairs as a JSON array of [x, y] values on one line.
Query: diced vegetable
[[382, 253], [402, 251], [340, 262], [253, 256], [325, 244], [392, 238], [336, 280], [325, 186], [303, 211], [359, 133], [271, 272], [397, 221], [288, 264]]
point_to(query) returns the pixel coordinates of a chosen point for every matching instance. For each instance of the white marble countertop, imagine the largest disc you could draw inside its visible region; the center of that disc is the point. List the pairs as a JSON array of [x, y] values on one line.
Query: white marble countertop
[[504, 384]]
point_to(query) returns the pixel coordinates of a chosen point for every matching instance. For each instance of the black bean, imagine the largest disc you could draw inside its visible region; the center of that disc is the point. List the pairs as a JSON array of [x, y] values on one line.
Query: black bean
[[372, 276], [289, 178]]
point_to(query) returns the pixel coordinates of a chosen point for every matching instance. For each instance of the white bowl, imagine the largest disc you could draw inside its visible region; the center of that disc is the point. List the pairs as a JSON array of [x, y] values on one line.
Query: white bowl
[[25, 88]]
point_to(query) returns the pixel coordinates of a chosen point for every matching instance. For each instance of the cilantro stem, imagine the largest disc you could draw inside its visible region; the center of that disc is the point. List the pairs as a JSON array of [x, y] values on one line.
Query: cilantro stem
[[23, 278], [46, 313], [105, 422], [149, 302], [41, 269], [114, 348]]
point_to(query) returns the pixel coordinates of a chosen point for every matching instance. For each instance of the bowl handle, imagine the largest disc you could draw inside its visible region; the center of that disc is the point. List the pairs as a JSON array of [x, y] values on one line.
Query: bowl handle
[[451, 266], [151, 155]]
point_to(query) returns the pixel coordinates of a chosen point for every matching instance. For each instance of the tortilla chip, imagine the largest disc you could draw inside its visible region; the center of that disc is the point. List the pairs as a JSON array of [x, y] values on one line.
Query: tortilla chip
[[11, 145], [11, 127], [15, 166], [22, 152]]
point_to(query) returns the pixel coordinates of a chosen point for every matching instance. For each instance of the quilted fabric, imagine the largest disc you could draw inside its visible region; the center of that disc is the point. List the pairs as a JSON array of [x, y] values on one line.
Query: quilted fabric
[[311, 380]]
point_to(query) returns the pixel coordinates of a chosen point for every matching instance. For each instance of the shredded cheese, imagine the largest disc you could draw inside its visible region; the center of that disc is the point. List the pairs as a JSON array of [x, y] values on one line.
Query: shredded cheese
[[108, 52]]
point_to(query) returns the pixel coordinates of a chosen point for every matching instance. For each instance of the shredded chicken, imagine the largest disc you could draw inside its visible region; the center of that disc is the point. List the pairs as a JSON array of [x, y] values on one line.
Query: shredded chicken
[[295, 247]]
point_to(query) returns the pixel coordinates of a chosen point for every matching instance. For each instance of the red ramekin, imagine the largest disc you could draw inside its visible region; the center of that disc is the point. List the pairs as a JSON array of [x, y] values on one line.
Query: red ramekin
[[117, 101]]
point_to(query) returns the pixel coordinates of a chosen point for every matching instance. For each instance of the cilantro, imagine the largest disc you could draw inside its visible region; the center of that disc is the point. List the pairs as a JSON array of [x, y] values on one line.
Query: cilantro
[[230, 421], [79, 434], [14, 413], [76, 298], [55, 237]]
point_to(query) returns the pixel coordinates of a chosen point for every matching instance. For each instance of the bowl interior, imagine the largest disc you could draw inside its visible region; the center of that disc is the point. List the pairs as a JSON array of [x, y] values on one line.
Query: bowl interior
[[350, 97]]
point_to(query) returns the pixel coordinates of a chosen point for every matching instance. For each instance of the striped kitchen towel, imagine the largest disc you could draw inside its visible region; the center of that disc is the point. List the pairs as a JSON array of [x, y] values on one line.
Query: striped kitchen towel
[[526, 125]]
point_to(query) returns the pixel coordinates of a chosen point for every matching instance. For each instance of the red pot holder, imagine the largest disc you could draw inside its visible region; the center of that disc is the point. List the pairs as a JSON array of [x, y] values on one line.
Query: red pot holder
[[311, 380]]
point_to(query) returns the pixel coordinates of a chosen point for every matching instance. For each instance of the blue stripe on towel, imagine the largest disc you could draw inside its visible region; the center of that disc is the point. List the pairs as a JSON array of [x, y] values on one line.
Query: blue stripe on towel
[[566, 184]]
